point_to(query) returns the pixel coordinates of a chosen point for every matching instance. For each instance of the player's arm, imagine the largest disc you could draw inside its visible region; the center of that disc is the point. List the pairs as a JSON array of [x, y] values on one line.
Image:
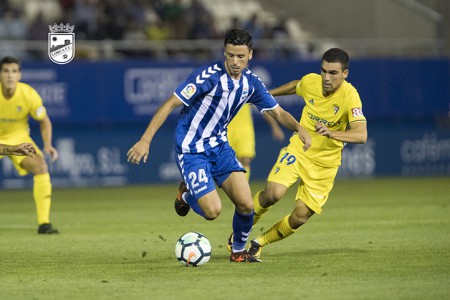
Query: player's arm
[[24, 149], [286, 89], [357, 133], [288, 121], [46, 133], [141, 149]]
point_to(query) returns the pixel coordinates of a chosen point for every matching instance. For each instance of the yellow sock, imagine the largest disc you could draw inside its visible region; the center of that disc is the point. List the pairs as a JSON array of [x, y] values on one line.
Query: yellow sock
[[277, 232], [259, 210], [42, 192]]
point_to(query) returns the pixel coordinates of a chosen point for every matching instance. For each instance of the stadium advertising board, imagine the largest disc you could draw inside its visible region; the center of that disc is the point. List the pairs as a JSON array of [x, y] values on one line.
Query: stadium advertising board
[[100, 109]]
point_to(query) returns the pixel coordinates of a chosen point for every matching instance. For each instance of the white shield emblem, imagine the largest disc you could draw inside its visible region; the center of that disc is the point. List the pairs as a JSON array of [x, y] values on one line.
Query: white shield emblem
[[61, 47]]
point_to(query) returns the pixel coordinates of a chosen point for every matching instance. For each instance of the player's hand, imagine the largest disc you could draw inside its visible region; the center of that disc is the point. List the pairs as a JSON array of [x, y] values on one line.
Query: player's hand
[[304, 137], [50, 150], [25, 149], [139, 151], [323, 130]]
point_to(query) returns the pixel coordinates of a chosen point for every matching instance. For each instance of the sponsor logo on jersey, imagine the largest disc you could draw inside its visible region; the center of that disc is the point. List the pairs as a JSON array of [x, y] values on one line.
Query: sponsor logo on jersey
[[357, 112], [189, 91], [320, 120]]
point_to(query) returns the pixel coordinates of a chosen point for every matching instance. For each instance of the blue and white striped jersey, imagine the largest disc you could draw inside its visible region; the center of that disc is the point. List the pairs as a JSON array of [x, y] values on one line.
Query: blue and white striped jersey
[[211, 99]]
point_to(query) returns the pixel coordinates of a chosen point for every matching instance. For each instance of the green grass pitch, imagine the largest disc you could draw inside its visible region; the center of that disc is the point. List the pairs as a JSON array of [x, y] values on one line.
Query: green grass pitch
[[383, 238]]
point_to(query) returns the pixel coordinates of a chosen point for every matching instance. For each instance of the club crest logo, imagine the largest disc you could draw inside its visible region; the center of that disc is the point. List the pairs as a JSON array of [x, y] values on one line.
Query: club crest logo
[[61, 43]]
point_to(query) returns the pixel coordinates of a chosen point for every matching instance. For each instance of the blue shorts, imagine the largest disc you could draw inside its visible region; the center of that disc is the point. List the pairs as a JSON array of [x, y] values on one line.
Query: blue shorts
[[201, 171]]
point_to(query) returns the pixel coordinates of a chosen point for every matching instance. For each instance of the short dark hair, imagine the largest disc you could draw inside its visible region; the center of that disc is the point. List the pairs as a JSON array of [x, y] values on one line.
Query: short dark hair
[[9, 60], [334, 55], [238, 37]]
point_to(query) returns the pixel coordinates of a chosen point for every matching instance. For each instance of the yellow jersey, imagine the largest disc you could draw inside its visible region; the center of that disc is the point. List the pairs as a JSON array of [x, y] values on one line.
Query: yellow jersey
[[337, 111], [14, 112], [241, 133]]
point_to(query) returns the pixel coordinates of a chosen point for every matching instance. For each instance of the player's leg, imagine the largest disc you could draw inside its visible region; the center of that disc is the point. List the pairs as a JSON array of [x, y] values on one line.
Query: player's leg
[[283, 228], [228, 173], [265, 199], [246, 162], [42, 191], [312, 195], [208, 205], [238, 190], [198, 190], [284, 173]]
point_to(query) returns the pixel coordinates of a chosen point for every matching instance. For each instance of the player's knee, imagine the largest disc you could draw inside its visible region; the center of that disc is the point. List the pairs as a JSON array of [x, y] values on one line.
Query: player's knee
[[295, 221], [299, 216], [212, 213], [271, 196], [245, 208]]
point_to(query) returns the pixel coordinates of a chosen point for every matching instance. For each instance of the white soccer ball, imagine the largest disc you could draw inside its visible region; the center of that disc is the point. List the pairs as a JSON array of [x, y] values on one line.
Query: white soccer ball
[[193, 249]]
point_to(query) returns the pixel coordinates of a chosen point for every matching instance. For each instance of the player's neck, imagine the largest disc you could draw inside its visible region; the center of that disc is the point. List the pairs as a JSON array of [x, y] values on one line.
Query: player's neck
[[8, 93]]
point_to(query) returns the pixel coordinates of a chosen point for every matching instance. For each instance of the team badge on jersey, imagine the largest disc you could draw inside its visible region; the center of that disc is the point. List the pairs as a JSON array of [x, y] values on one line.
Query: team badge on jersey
[[61, 43], [189, 91], [357, 112], [335, 108]]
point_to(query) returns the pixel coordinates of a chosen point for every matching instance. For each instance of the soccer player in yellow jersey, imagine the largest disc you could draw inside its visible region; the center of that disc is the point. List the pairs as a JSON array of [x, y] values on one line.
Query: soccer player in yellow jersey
[[19, 101], [333, 116], [241, 135]]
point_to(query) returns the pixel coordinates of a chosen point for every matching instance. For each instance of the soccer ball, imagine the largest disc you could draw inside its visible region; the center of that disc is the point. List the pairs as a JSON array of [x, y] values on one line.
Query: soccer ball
[[193, 249]]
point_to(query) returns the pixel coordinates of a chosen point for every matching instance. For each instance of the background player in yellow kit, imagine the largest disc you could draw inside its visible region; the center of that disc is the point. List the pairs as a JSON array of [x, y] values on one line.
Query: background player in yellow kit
[[18, 101], [24, 149], [241, 135], [333, 116]]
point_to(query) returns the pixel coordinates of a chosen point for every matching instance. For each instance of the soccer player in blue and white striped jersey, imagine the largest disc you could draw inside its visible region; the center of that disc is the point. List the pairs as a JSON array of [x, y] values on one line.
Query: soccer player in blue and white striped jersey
[[211, 96]]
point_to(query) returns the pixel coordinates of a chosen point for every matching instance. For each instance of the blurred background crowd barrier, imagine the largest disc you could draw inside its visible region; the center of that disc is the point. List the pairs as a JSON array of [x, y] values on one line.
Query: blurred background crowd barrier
[[131, 55]]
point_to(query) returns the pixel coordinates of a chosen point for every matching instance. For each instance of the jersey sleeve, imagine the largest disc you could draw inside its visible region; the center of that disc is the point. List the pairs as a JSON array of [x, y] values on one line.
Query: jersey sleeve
[[261, 97], [197, 83], [355, 112], [37, 109], [300, 87]]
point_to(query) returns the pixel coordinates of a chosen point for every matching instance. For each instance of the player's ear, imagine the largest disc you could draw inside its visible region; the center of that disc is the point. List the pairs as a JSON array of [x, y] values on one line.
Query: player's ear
[[250, 55], [345, 73]]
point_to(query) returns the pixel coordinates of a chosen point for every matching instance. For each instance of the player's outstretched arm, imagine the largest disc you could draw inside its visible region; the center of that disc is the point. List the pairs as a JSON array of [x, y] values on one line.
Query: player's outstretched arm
[[141, 149], [24, 149], [285, 89], [356, 134]]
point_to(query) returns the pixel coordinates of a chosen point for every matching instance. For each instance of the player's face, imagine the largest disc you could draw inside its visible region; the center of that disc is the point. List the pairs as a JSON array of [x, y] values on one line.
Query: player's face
[[332, 77], [10, 75], [236, 59]]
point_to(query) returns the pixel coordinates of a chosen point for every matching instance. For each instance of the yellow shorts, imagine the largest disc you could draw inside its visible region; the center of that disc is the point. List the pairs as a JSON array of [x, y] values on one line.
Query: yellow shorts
[[316, 181], [241, 133], [17, 160]]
